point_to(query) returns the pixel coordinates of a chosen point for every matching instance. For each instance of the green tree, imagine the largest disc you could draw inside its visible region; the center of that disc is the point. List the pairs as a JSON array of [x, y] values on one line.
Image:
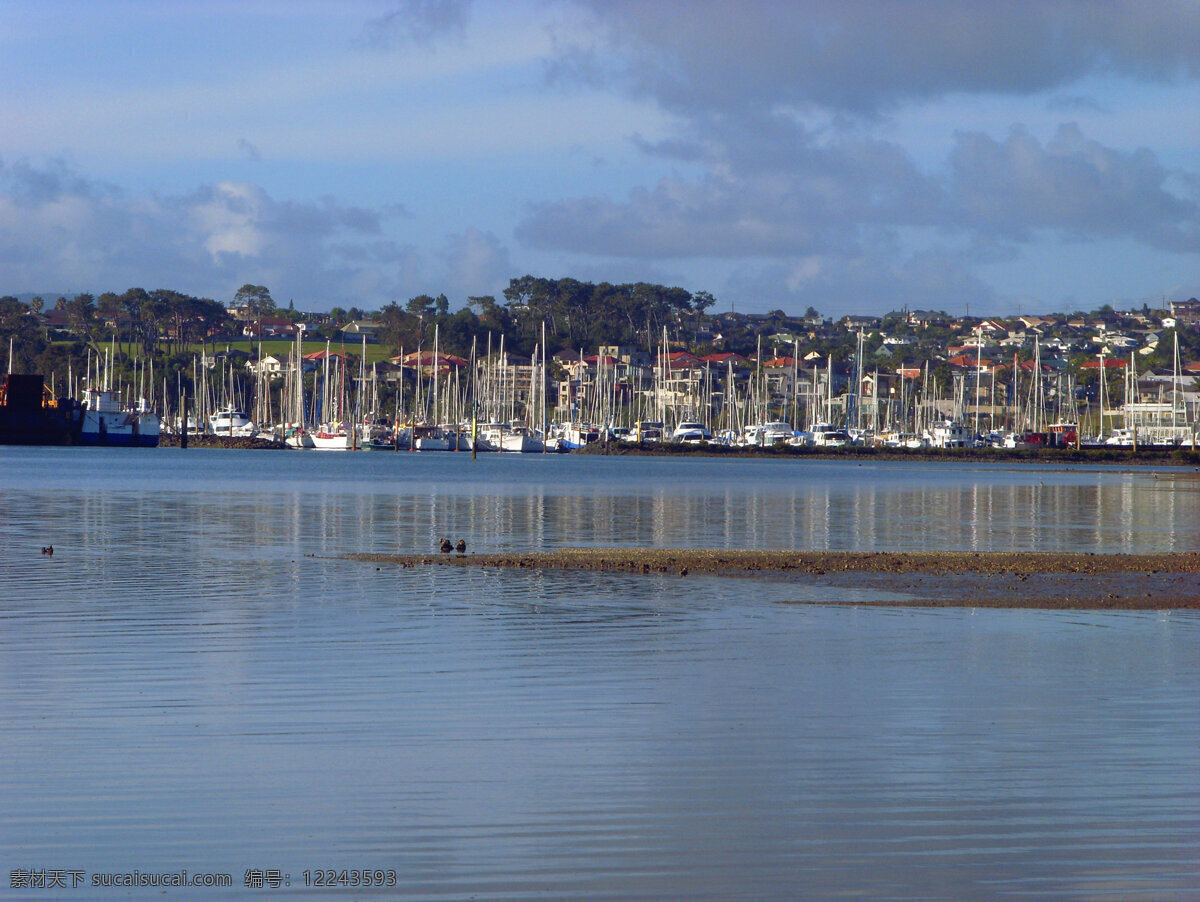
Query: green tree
[[81, 314], [702, 301], [21, 332], [255, 297], [422, 305]]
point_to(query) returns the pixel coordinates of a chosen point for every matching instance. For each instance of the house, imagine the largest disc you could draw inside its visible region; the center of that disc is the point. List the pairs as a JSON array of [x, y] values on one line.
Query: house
[[1110, 363], [268, 327], [625, 354], [725, 359], [1059, 345], [512, 371], [1040, 323], [923, 319], [1187, 312], [427, 362], [1115, 340], [273, 365], [1014, 340], [361, 328], [57, 323], [863, 323], [970, 362]]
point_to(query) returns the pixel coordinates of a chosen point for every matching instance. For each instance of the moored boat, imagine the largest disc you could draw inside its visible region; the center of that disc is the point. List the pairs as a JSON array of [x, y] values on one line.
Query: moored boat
[[106, 421], [232, 422], [31, 415]]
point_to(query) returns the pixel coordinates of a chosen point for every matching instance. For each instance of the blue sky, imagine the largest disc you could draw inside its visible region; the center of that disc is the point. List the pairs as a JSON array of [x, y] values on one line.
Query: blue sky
[[951, 154]]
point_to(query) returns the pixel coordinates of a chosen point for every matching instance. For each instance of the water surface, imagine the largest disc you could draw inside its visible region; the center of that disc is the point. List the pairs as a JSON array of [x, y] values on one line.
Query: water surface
[[195, 680]]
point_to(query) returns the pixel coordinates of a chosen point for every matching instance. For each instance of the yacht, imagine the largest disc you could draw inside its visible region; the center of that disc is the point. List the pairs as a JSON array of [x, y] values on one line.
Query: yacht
[[232, 422], [691, 433], [826, 435], [765, 434], [509, 437]]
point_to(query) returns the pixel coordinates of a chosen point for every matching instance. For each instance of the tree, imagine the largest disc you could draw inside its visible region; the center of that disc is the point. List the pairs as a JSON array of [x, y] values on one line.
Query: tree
[[256, 298], [36, 304], [81, 314], [108, 311], [701, 301], [22, 333], [422, 305]]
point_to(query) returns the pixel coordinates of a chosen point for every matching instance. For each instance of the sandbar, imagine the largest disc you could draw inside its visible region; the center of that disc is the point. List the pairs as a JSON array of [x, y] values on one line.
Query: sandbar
[[927, 578]]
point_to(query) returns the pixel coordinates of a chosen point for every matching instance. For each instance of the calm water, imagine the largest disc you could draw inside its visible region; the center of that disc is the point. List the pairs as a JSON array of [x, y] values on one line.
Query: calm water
[[194, 680]]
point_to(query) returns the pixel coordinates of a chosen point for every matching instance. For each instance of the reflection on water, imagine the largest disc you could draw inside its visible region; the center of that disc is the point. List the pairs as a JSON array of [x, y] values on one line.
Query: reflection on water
[[372, 501], [194, 680]]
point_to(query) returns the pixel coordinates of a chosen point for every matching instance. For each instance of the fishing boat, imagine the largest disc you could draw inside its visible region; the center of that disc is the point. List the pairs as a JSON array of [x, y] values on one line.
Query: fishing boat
[[949, 434], [106, 421], [378, 435]]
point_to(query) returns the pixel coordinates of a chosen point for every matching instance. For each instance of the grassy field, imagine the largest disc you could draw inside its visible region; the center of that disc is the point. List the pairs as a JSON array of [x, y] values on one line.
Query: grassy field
[[281, 348]]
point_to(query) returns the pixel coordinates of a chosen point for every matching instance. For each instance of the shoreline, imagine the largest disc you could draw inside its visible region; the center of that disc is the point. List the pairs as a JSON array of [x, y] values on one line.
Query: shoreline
[[205, 440], [1144, 456], [1154, 455], [929, 579]]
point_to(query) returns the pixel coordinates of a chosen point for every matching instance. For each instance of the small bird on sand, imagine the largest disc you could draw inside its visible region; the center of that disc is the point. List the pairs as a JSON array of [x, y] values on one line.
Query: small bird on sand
[[49, 549], [460, 546], [446, 546]]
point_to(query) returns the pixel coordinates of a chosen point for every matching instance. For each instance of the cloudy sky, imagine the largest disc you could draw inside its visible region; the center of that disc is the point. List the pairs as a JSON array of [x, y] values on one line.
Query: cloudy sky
[[986, 156]]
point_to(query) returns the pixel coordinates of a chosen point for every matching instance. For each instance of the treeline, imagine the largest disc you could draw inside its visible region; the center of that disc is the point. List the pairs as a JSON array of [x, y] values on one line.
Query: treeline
[[573, 314], [162, 327], [570, 314], [155, 328]]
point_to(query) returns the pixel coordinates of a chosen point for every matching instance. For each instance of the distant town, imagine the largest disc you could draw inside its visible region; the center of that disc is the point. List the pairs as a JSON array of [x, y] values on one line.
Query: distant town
[[641, 359]]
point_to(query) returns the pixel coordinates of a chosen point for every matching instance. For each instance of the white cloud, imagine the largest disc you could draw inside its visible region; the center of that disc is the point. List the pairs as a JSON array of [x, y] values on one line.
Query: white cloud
[[58, 227]]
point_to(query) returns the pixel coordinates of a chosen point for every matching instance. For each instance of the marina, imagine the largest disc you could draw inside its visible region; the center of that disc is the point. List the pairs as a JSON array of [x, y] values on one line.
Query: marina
[[465, 450]]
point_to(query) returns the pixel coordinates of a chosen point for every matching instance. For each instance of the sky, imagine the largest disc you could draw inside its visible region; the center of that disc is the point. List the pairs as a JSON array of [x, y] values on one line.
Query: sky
[[987, 157]]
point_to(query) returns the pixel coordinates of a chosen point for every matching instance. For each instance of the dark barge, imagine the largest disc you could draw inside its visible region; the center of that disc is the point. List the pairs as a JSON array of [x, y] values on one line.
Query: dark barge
[[31, 415]]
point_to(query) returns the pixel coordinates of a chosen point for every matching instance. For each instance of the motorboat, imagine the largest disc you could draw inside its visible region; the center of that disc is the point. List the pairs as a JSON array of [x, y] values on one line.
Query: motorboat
[[826, 435], [767, 434], [691, 434], [232, 422]]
